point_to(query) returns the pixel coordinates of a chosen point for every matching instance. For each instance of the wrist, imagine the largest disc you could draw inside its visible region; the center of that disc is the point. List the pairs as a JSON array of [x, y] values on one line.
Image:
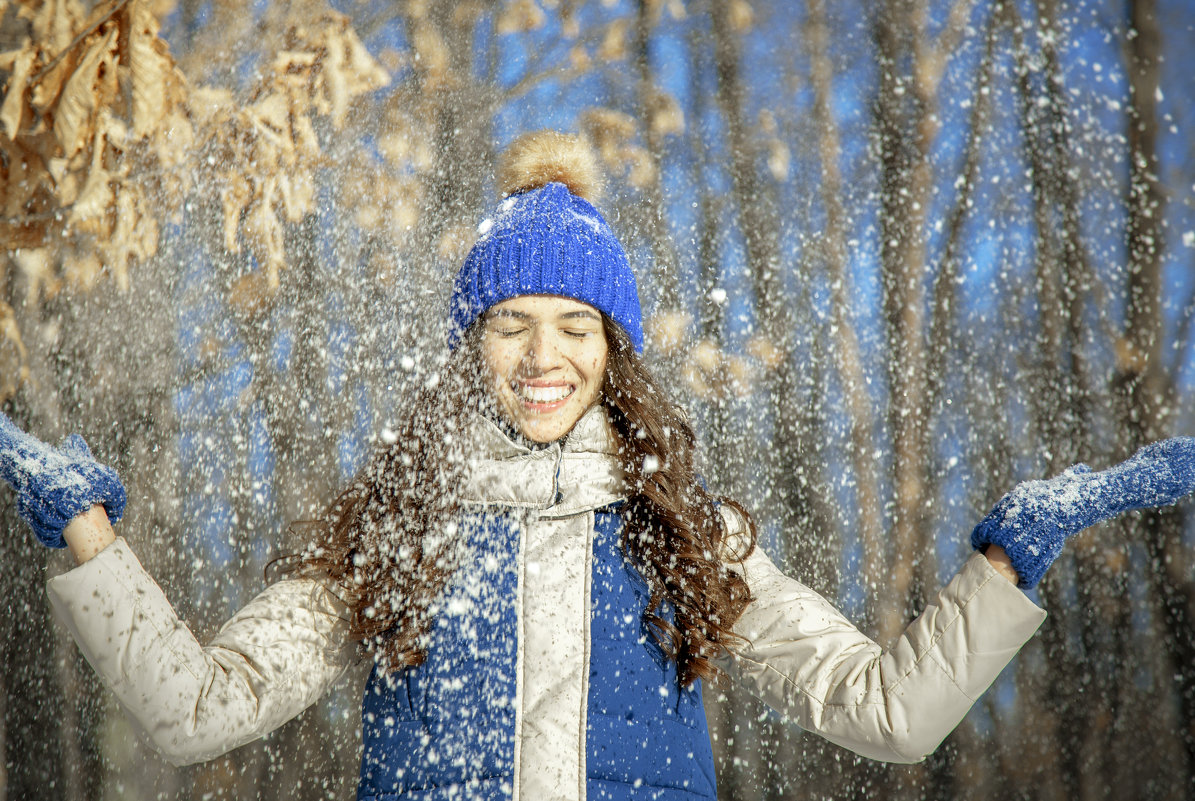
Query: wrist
[[89, 533], [998, 558]]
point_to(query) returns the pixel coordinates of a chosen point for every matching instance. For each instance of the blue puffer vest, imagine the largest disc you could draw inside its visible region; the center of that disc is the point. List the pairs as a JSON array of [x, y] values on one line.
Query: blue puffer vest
[[446, 730]]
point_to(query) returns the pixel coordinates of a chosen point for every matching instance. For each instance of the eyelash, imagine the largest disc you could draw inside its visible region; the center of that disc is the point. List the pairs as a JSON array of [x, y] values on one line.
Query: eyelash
[[514, 332]]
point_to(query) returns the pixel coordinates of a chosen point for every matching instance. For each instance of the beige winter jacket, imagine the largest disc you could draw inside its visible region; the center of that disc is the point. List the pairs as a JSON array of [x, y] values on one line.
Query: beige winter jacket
[[291, 643]]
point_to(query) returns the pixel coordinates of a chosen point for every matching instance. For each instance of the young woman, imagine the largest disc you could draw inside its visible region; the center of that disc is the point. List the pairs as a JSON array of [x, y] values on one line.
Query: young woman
[[531, 580]]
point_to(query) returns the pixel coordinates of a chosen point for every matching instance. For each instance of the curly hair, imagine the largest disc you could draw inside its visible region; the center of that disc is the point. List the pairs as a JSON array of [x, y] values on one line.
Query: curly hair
[[388, 541]]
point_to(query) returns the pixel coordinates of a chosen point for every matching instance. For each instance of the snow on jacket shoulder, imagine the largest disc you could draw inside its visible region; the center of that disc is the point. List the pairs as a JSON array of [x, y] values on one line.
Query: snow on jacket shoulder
[[808, 662]]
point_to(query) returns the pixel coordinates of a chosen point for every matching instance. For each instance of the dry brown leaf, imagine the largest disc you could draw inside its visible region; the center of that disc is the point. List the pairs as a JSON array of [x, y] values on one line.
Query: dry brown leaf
[[13, 356], [779, 159], [82, 270], [54, 22], [431, 53], [578, 58], [740, 15], [613, 46], [404, 214], [13, 108], [455, 243], [294, 62], [123, 125], [272, 115], [298, 194], [368, 73], [335, 80], [766, 351], [570, 26], [610, 132], [368, 216], [25, 170], [207, 103], [47, 90], [90, 212], [151, 68], [263, 235], [520, 16], [397, 146], [136, 236], [607, 124], [742, 376], [697, 382], [332, 64], [37, 268], [467, 13], [173, 147], [667, 331], [234, 197], [250, 295], [665, 114], [83, 93], [641, 170], [706, 355]]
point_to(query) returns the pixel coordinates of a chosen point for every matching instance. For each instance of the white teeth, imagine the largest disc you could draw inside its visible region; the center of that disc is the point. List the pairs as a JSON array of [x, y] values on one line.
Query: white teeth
[[543, 394]]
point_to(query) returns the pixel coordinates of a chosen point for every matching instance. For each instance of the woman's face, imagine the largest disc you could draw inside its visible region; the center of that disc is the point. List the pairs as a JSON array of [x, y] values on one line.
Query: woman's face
[[545, 359]]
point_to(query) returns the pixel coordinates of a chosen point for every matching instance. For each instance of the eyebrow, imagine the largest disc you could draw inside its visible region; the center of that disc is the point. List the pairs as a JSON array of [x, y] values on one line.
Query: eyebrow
[[518, 315]]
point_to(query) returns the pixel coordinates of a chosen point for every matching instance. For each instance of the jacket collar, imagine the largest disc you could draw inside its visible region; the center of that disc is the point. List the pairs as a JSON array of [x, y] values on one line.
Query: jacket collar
[[577, 474]]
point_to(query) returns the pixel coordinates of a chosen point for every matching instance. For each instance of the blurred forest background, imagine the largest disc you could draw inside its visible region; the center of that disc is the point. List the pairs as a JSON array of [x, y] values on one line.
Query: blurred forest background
[[897, 255]]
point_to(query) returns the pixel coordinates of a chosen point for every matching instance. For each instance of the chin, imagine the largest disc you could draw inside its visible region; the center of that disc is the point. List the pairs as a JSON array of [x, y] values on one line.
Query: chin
[[544, 433]]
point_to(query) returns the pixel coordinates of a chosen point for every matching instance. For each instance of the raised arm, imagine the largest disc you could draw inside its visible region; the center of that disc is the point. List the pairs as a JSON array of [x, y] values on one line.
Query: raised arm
[[811, 664], [267, 664], [272, 660]]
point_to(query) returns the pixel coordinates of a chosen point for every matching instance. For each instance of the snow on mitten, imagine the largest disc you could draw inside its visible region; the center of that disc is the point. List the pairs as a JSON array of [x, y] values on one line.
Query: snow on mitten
[[54, 485], [1033, 521]]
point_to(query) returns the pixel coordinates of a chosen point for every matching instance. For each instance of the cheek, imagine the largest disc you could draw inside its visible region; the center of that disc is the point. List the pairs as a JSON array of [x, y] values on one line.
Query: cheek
[[597, 369], [497, 361]]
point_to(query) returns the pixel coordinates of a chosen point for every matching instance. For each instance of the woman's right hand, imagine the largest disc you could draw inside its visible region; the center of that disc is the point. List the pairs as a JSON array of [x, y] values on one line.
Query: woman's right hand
[[56, 485]]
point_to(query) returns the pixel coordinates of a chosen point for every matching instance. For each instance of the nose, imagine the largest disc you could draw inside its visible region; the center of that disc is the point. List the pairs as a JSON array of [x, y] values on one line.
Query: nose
[[542, 353]]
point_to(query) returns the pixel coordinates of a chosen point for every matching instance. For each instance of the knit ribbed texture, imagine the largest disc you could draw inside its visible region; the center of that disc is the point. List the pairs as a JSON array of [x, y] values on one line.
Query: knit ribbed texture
[[54, 485], [546, 241], [1033, 521]]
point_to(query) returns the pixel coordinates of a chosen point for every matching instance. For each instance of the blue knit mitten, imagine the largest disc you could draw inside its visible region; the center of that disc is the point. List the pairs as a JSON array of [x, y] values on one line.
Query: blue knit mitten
[[54, 485], [1033, 521]]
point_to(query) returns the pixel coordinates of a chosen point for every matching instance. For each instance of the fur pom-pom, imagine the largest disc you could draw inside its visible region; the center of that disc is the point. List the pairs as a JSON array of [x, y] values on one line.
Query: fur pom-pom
[[537, 159]]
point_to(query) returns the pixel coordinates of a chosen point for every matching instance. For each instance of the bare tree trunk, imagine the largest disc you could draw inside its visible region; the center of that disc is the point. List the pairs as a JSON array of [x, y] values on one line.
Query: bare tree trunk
[[666, 270], [845, 348], [1144, 383], [1056, 437], [902, 122], [29, 675]]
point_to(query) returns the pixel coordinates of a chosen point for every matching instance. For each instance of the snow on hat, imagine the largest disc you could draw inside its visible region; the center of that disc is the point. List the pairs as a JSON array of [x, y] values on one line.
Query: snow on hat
[[546, 238]]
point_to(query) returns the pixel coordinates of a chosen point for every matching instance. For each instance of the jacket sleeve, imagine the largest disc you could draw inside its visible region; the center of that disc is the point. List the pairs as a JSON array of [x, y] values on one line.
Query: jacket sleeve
[[808, 662], [273, 659]]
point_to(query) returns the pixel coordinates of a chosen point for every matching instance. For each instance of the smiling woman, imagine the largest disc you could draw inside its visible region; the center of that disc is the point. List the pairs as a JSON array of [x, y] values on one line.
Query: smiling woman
[[546, 360], [530, 581]]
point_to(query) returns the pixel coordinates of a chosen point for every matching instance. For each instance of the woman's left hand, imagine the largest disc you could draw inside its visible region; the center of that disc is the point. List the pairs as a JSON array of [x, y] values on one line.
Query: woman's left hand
[[1032, 522]]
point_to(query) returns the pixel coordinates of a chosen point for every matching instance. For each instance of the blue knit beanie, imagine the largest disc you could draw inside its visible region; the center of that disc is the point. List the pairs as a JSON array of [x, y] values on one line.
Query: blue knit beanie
[[545, 238]]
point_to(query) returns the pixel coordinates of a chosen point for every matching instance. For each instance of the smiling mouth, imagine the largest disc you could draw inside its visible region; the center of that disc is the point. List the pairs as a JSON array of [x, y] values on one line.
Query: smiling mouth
[[542, 395]]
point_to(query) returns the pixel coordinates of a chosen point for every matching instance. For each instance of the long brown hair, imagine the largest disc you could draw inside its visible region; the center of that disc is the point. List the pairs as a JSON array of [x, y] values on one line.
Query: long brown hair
[[388, 540]]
